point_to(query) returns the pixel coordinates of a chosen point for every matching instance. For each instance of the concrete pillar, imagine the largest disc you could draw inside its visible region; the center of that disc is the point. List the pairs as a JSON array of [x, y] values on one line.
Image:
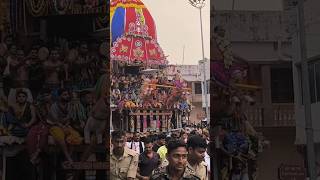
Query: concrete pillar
[[43, 30], [268, 118], [192, 91]]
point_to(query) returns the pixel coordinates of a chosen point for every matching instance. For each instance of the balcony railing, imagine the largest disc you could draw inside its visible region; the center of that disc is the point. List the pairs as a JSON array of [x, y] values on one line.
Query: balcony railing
[[276, 115]]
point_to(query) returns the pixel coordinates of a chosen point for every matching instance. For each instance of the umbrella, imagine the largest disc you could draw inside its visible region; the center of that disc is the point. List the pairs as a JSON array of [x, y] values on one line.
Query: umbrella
[[133, 34]]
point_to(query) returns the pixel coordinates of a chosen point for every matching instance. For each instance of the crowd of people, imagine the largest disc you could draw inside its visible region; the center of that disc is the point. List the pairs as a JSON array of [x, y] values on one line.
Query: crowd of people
[[149, 91], [50, 90], [181, 154]]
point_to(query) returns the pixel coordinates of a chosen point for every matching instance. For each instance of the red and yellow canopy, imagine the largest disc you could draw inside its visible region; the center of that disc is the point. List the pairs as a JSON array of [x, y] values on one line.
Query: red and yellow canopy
[[133, 33]]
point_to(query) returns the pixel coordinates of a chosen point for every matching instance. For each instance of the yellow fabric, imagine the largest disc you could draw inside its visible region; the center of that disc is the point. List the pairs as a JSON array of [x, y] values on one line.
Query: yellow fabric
[[162, 151], [68, 134], [136, 6]]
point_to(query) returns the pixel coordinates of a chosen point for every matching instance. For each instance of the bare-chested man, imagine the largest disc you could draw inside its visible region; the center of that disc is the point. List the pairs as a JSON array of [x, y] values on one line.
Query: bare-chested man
[[19, 70], [36, 71], [53, 67]]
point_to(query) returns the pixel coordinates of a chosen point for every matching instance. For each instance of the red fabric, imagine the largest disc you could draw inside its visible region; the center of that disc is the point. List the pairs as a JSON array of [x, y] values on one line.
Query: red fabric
[[130, 49], [37, 137], [151, 25], [130, 19], [158, 123], [145, 123]]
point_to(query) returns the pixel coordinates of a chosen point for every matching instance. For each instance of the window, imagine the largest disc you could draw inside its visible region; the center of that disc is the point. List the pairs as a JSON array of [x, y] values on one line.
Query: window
[[197, 88], [282, 85], [317, 67], [314, 81]]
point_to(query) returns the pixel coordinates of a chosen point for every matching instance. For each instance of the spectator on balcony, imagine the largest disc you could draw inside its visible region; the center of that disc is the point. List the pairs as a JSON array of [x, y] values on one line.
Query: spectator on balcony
[[18, 73], [36, 70], [24, 114], [54, 69], [59, 116], [82, 69]]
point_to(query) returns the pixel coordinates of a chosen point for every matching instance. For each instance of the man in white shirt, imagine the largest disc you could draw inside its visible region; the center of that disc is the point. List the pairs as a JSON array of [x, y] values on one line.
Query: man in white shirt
[[136, 144]]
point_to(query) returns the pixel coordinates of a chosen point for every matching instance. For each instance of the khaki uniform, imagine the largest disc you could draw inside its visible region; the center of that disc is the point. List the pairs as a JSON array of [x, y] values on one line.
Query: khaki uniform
[[201, 170], [164, 163], [162, 174], [125, 167]]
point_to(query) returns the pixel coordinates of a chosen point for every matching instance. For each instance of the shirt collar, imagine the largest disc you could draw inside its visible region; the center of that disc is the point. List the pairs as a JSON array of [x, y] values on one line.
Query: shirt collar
[[125, 154]]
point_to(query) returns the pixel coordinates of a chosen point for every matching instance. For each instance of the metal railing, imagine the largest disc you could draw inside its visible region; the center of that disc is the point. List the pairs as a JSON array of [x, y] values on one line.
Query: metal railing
[[276, 115]]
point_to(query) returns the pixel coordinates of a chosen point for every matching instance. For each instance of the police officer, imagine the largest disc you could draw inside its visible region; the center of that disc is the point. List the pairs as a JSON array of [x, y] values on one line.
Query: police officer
[[177, 168], [123, 161], [196, 152]]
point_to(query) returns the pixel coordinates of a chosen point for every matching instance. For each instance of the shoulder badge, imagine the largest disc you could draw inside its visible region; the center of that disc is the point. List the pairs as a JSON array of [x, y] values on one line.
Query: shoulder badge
[[189, 170]]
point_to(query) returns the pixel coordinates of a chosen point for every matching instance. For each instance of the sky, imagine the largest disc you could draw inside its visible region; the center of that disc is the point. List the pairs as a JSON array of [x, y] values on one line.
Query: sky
[[178, 25]]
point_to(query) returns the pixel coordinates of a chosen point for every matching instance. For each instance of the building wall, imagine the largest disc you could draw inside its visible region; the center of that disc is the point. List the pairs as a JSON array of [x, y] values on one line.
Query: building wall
[[300, 129], [192, 74], [312, 43], [204, 68], [196, 111], [196, 103], [196, 98], [256, 36], [263, 51], [281, 151], [254, 26]]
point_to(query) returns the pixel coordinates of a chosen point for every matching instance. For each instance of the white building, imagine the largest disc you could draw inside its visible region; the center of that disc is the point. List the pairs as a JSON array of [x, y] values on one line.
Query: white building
[[263, 40], [194, 77], [204, 67], [312, 27]]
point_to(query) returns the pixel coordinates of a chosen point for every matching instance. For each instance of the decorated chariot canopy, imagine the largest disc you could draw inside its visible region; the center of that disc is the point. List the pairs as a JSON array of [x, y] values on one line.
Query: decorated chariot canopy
[[133, 34]]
